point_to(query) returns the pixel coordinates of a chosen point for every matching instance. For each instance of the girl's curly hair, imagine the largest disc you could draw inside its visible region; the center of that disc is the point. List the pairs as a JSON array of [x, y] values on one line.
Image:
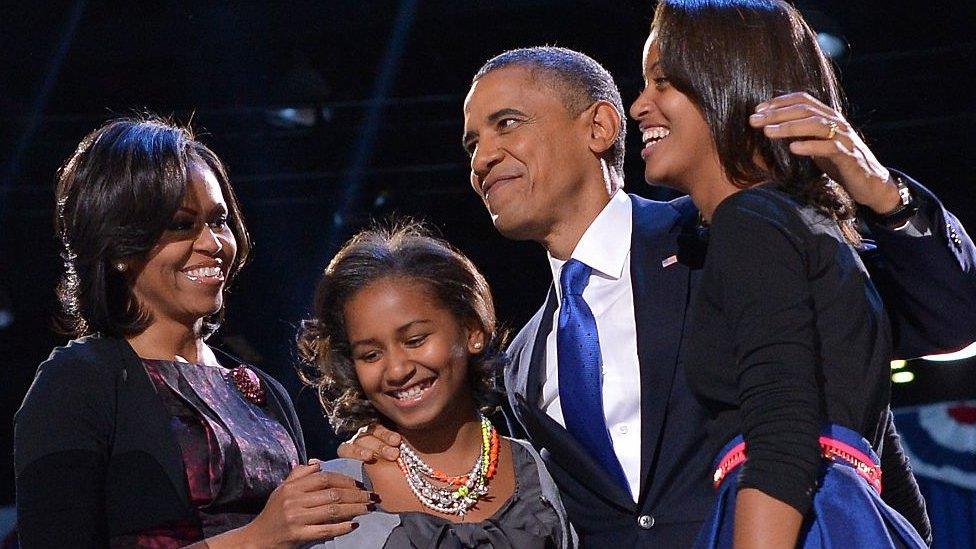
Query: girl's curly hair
[[407, 250]]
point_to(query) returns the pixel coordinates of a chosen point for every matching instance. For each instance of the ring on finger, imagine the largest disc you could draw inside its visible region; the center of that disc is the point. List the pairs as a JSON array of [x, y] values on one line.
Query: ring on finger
[[831, 130]]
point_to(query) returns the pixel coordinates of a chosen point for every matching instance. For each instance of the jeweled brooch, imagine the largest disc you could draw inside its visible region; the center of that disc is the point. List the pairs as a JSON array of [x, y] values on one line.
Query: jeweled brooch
[[248, 384]]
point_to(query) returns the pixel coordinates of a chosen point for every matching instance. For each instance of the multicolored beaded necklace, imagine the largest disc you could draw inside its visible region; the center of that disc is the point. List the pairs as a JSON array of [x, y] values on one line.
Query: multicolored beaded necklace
[[452, 495]]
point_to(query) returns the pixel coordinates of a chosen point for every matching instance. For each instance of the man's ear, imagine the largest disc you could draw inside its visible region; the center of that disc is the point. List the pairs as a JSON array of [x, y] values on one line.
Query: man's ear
[[605, 125]]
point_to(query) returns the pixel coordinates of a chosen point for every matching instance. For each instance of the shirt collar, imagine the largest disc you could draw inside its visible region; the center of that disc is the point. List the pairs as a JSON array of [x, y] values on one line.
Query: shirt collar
[[605, 244]]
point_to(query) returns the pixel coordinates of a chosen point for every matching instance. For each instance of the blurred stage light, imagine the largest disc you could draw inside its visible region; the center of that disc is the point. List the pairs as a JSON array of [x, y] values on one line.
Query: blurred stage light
[[898, 364], [968, 351], [903, 377], [303, 87], [6, 309], [832, 45], [298, 117]]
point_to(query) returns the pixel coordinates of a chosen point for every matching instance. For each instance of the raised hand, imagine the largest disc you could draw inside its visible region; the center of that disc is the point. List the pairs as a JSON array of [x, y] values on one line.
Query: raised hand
[[820, 132], [309, 505], [372, 442]]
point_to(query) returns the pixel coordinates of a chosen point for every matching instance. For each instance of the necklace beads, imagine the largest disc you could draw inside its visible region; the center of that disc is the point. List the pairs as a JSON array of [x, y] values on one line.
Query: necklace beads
[[452, 495]]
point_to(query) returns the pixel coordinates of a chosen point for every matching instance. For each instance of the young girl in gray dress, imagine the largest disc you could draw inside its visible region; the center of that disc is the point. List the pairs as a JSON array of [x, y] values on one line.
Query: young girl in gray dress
[[404, 334]]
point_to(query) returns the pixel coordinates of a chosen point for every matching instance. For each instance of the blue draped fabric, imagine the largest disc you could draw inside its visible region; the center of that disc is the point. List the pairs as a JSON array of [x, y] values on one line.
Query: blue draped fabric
[[940, 441], [952, 511], [846, 511]]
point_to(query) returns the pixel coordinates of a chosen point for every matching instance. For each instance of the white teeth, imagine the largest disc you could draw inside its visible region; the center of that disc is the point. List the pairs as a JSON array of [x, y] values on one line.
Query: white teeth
[[412, 392], [213, 272], [655, 134]]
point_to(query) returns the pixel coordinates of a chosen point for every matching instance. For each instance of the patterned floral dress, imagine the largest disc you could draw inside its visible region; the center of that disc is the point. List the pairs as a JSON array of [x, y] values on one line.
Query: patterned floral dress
[[235, 452]]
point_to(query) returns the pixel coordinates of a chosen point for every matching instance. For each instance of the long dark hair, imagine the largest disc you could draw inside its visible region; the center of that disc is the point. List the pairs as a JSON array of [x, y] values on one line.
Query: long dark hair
[[730, 55], [403, 250], [116, 195]]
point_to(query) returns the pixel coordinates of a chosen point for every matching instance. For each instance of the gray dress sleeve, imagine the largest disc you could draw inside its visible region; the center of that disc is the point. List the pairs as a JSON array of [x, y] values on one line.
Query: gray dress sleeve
[[374, 528], [551, 493]]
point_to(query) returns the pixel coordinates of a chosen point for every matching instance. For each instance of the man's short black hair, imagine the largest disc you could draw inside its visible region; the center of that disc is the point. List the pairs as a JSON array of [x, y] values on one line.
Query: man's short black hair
[[577, 78]]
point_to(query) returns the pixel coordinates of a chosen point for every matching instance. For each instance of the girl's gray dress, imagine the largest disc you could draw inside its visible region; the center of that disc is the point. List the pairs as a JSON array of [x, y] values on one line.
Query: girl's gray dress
[[532, 518]]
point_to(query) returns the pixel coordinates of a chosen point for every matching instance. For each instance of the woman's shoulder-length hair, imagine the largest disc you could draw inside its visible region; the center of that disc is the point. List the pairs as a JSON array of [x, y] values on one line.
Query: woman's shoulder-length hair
[[116, 194]]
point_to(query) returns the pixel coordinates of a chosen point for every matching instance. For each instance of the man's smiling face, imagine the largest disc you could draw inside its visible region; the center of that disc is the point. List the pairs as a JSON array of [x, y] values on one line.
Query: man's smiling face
[[529, 153]]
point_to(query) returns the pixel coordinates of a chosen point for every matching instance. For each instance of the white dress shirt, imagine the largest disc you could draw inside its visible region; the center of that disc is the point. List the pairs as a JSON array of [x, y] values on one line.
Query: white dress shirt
[[605, 247]]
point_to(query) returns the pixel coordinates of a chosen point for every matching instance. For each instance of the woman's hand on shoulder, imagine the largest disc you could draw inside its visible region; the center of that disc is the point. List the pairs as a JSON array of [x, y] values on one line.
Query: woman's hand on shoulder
[[309, 505], [820, 132], [371, 443]]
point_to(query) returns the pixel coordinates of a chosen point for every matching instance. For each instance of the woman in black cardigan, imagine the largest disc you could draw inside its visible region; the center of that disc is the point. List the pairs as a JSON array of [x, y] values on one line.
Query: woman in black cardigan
[[139, 433]]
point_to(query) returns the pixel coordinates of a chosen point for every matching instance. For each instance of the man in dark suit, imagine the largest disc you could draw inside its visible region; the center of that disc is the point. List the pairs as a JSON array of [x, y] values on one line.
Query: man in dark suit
[[545, 131]]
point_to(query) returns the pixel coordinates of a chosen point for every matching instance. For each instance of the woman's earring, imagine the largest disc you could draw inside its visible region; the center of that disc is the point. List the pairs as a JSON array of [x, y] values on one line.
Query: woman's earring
[[120, 267], [477, 345]]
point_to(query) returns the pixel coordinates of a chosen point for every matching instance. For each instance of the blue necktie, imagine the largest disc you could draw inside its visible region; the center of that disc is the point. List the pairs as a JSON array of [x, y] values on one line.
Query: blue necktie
[[580, 365]]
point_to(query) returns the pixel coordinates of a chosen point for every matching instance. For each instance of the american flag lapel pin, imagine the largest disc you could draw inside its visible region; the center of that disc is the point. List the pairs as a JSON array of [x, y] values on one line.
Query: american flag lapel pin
[[668, 261]]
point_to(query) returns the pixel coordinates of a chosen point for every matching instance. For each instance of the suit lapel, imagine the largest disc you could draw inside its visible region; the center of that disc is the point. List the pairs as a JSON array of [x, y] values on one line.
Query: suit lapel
[[537, 354], [660, 287], [570, 456], [547, 433]]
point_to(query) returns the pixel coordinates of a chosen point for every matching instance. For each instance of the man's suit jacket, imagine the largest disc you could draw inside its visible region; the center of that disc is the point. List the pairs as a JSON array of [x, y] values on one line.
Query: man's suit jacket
[[676, 493]]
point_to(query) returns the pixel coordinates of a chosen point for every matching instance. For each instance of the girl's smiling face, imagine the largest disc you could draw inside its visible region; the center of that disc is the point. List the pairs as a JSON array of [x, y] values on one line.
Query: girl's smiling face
[[678, 147], [410, 353]]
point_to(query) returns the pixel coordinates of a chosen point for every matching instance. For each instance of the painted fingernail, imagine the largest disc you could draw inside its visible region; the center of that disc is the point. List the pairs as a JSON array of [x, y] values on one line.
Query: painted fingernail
[[374, 497], [355, 525], [360, 485], [370, 506]]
